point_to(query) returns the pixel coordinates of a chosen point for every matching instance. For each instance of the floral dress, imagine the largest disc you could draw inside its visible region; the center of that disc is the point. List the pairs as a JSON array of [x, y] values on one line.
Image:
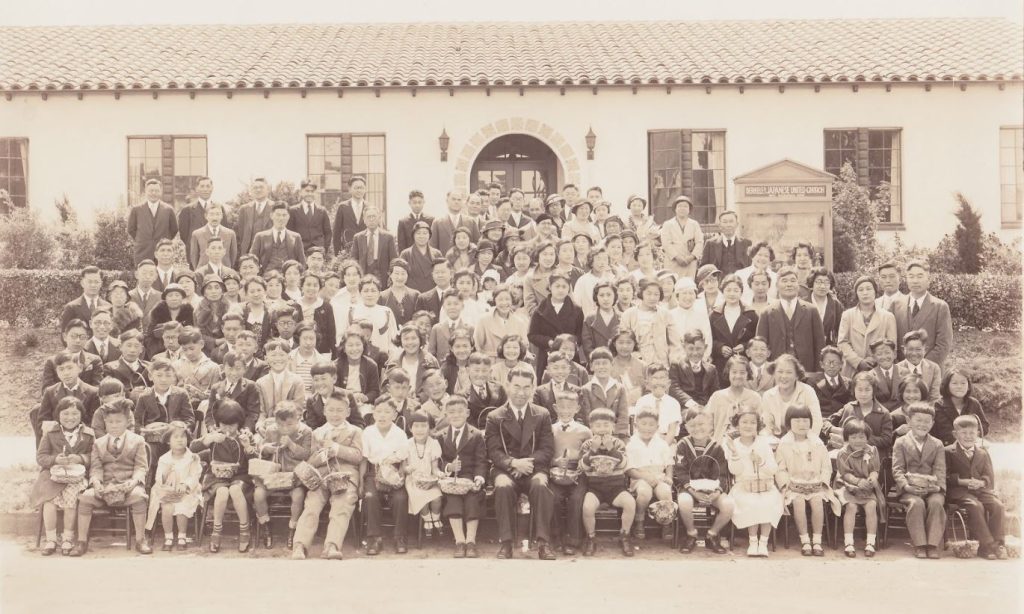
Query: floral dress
[[423, 460]]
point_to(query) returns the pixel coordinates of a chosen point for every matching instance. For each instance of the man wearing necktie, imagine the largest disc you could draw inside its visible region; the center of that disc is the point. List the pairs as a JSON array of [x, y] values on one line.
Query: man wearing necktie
[[792, 326], [727, 250], [348, 219], [408, 223], [310, 219], [254, 216], [274, 246], [520, 445], [151, 221], [374, 248], [921, 310]]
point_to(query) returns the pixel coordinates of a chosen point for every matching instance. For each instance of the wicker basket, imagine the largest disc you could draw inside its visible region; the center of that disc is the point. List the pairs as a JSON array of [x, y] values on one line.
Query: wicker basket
[[425, 482], [451, 485], [224, 470], [758, 485], [564, 476], [261, 468], [388, 478], [308, 476], [922, 480], [279, 480], [117, 493], [663, 512], [154, 431], [67, 474], [804, 487], [603, 465], [964, 549], [706, 486], [337, 482]]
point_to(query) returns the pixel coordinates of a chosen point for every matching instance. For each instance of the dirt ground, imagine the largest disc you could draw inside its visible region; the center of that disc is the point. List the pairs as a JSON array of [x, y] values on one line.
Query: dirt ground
[[659, 578]]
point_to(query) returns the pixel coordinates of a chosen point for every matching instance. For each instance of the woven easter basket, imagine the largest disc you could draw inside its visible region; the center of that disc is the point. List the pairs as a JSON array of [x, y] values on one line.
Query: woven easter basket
[[451, 485], [663, 512], [67, 474], [117, 493], [337, 482], [224, 470], [564, 476], [425, 482], [388, 478], [154, 431], [308, 475], [260, 468], [922, 480], [804, 487], [603, 465]]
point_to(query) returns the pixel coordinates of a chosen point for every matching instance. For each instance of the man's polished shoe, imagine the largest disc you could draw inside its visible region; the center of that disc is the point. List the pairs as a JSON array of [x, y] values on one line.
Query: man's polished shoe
[[544, 552], [505, 550]]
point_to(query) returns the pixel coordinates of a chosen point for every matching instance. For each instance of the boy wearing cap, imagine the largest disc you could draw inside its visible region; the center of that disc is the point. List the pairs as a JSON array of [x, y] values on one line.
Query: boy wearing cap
[[399, 297], [308, 219], [374, 247], [682, 239], [421, 256], [274, 246], [201, 238], [726, 250]]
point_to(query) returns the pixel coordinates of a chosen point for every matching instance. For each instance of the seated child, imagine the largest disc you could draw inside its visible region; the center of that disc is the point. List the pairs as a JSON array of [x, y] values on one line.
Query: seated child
[[569, 438], [175, 493], [482, 393], [558, 370], [280, 384], [607, 488], [229, 447], [286, 441], [971, 484], [917, 454], [649, 469], [118, 466], [75, 336], [69, 384], [805, 476], [196, 372], [129, 369], [422, 468], [692, 463], [760, 379], [604, 391], [246, 345], [384, 443], [661, 403], [864, 407], [914, 363], [957, 399], [758, 502], [69, 442], [111, 390], [858, 467], [832, 388], [887, 375], [235, 387], [693, 380], [399, 388], [435, 391], [337, 447], [464, 455], [578, 374]]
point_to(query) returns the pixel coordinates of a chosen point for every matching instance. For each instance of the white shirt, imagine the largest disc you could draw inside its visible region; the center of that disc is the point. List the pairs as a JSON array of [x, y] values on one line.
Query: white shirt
[[653, 453], [607, 386], [918, 302], [153, 206], [377, 446], [732, 314], [455, 219], [788, 306], [519, 413], [357, 208], [820, 306], [669, 411], [101, 346]]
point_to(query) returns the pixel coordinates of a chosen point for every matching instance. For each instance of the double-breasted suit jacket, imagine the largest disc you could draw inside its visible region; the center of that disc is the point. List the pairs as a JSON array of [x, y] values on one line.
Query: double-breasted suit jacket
[[807, 335], [314, 227], [147, 230]]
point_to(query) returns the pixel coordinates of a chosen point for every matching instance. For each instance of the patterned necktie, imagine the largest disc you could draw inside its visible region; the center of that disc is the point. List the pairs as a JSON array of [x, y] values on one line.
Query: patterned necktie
[[916, 309]]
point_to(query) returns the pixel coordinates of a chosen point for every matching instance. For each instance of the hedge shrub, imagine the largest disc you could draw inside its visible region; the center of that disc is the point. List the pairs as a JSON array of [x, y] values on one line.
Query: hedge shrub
[[36, 297], [984, 301]]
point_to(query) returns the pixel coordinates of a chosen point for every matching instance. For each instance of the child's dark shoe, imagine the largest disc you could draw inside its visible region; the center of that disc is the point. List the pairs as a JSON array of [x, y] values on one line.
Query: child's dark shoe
[[460, 551], [373, 546], [291, 538], [142, 546], [400, 545], [544, 552], [689, 543], [589, 547], [714, 543], [505, 550], [79, 549], [626, 543], [182, 544], [168, 545], [869, 550], [244, 539], [471, 551], [48, 548]]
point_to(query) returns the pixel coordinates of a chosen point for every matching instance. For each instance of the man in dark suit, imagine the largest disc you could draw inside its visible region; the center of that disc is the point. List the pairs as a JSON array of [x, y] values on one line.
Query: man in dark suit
[[406, 224], [520, 445], [273, 247], [192, 216], [66, 383], [151, 221], [727, 251], [102, 344], [919, 310], [430, 300], [374, 248], [517, 218], [82, 307], [442, 229], [253, 216], [792, 326], [348, 219], [309, 219]]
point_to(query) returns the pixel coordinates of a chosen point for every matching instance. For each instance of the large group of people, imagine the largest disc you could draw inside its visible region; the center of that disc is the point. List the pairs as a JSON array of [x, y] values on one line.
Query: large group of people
[[544, 353]]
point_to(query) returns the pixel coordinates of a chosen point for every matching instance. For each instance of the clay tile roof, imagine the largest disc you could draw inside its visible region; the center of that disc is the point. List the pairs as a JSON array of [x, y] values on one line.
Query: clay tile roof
[[473, 54]]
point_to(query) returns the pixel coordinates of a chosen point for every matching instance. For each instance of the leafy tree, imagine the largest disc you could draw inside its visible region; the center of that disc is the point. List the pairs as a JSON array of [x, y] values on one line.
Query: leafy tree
[[854, 223], [969, 247]]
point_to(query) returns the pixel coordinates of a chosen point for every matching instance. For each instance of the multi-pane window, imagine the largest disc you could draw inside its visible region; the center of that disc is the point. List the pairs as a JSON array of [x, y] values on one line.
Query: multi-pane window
[[14, 170], [177, 161], [875, 156], [1011, 175], [333, 159], [690, 162]]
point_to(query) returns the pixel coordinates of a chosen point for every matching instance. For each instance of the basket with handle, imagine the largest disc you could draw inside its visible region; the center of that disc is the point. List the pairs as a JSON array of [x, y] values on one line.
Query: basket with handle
[[223, 469], [564, 476], [451, 484], [67, 474], [154, 431], [663, 512], [116, 493], [270, 475], [308, 475], [388, 477], [704, 474]]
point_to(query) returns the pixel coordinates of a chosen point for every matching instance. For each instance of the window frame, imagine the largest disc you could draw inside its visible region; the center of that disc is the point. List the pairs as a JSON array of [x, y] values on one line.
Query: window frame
[[1019, 160], [15, 140], [862, 151], [686, 180], [343, 193], [166, 161]]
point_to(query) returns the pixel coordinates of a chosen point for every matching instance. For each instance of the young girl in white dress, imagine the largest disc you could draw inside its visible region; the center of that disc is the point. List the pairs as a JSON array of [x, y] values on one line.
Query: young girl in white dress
[[423, 467], [752, 464], [175, 493]]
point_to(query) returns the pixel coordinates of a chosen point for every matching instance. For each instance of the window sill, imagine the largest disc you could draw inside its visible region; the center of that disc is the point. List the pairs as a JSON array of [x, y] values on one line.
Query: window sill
[[1010, 225], [891, 226]]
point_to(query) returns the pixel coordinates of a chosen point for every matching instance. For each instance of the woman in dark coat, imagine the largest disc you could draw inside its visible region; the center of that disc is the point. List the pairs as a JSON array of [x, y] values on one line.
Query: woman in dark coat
[[548, 321], [321, 312], [172, 307], [351, 360], [728, 340], [822, 284]]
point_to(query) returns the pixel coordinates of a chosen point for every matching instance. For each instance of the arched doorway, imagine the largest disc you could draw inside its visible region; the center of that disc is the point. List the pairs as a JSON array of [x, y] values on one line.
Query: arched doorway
[[516, 161]]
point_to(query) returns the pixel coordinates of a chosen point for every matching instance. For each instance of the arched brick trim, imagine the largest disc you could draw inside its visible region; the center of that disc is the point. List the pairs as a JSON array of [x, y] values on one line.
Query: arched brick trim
[[516, 125]]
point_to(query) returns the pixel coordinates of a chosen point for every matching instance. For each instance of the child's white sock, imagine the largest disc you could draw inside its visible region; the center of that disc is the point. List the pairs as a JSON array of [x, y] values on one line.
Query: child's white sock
[[848, 538], [817, 538], [763, 540], [51, 535], [805, 538], [871, 539]]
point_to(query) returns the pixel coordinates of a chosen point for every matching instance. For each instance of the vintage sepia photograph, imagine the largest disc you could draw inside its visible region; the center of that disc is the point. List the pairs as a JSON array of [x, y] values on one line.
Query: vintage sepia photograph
[[523, 307]]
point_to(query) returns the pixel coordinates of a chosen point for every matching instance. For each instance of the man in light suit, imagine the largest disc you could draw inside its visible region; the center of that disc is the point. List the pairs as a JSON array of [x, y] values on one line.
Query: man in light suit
[[309, 219], [518, 218], [151, 221], [889, 282], [921, 310], [727, 250], [253, 216], [280, 384], [442, 230], [192, 217], [407, 224], [792, 326], [83, 307], [348, 219], [201, 238], [374, 248], [682, 239], [273, 247]]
